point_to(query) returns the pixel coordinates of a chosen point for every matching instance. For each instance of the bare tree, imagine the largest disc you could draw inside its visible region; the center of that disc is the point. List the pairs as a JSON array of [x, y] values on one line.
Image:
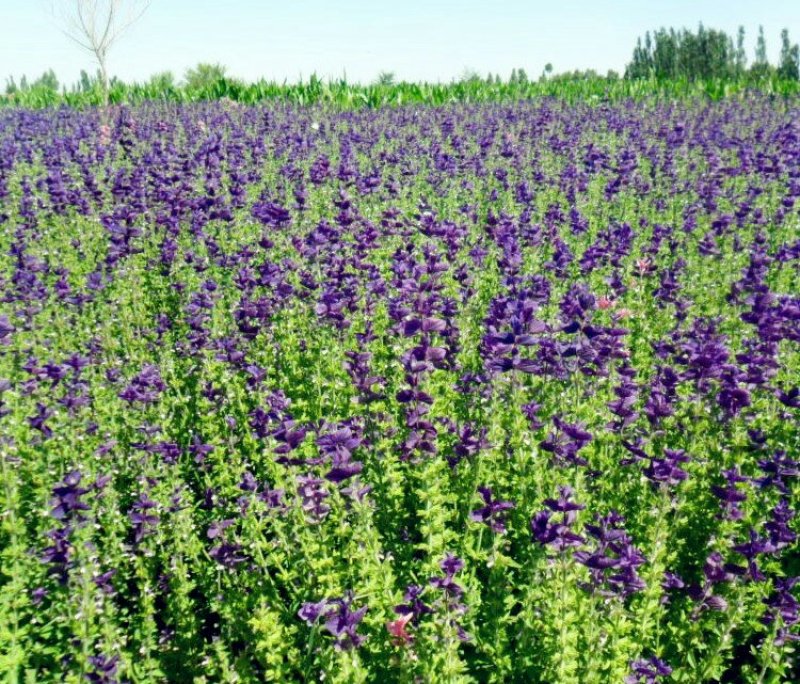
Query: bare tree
[[96, 25]]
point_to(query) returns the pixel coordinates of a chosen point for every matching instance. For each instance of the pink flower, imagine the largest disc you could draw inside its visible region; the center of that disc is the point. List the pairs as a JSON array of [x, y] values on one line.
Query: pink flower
[[605, 303], [397, 629]]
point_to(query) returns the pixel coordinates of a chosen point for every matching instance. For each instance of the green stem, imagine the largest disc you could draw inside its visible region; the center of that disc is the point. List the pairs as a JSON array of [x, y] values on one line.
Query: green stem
[[767, 651], [564, 649]]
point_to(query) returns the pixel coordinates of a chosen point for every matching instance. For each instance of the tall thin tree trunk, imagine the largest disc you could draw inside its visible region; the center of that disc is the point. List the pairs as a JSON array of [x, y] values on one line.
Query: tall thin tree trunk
[[104, 79]]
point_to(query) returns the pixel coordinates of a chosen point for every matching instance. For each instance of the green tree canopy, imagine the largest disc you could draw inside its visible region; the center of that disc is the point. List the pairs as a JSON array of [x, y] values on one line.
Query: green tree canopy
[[204, 76]]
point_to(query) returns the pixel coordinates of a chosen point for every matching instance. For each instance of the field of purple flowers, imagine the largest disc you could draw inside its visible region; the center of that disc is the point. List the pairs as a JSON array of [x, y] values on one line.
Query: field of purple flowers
[[463, 394]]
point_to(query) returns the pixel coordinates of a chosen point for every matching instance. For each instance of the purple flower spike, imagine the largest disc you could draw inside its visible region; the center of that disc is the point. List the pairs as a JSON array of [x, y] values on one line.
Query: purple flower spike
[[648, 671], [557, 533], [492, 512], [340, 620]]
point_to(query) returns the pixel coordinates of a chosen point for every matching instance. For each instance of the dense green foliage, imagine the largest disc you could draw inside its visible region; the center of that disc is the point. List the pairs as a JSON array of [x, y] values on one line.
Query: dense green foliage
[[342, 95]]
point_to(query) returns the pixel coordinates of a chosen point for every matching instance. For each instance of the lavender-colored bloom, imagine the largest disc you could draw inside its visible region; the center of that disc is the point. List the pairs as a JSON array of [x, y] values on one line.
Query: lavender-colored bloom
[[342, 624], [339, 442], [732, 398], [38, 595], [271, 214], [531, 411], [448, 585], [216, 528], [451, 564], [343, 468], [365, 382], [356, 491], [199, 450], [471, 441], [248, 483], [717, 570], [103, 582], [671, 583], [169, 451]]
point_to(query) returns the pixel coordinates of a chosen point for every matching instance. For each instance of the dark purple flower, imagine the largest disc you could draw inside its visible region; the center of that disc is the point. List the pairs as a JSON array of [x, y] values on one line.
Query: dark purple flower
[[492, 511], [145, 387], [648, 671], [667, 470], [557, 533], [614, 561], [791, 399], [59, 553], [38, 420], [313, 494], [780, 534], [228, 554], [104, 669], [451, 565], [340, 620], [66, 501], [38, 595], [143, 517], [783, 608], [6, 330], [777, 469], [414, 605], [729, 495], [310, 612], [755, 546], [567, 440]]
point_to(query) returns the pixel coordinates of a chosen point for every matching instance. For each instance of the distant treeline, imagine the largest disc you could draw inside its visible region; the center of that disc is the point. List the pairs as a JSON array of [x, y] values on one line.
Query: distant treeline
[[709, 54], [669, 63]]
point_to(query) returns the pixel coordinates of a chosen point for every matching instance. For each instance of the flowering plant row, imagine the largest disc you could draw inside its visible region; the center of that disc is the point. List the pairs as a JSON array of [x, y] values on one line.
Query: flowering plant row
[[457, 394]]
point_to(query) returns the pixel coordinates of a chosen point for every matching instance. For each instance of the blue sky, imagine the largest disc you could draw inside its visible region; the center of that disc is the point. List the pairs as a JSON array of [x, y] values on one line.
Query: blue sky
[[434, 40]]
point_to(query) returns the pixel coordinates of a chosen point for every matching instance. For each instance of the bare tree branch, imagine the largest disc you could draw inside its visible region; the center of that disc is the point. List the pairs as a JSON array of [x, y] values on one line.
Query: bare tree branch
[[109, 23], [77, 41]]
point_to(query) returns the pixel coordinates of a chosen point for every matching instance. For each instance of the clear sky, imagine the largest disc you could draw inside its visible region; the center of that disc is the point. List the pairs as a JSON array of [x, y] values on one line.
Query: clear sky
[[434, 40]]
